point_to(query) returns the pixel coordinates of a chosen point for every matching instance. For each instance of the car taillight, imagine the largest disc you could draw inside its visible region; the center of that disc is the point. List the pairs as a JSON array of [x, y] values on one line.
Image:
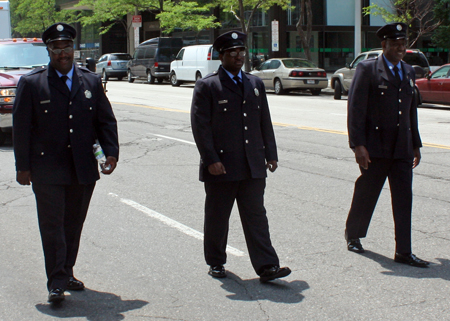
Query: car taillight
[[156, 65], [7, 97], [209, 56], [321, 74], [109, 62], [296, 73]]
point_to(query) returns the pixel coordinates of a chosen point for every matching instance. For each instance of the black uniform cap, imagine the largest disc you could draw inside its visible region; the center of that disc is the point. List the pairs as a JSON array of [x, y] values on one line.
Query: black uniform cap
[[395, 30], [230, 40], [59, 31]]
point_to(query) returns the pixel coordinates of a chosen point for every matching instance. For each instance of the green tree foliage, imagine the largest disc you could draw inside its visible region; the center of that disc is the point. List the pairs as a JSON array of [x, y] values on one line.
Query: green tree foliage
[[244, 11], [186, 15], [441, 36], [29, 18], [417, 14]]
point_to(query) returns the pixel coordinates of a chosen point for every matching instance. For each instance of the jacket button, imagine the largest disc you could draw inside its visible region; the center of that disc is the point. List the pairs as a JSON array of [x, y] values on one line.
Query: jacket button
[[224, 109], [245, 114], [42, 153], [400, 112], [246, 141], [68, 146], [398, 125], [90, 108], [70, 103], [46, 111], [382, 93], [70, 116], [376, 128], [245, 127], [71, 130], [399, 100], [244, 102], [221, 151]]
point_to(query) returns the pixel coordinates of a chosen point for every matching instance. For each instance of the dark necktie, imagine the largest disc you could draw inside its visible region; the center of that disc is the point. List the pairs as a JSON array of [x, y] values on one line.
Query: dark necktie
[[64, 78], [397, 76], [239, 83]]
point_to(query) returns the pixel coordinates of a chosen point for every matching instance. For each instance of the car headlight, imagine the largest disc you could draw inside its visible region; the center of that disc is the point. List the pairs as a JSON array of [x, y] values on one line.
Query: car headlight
[[7, 96]]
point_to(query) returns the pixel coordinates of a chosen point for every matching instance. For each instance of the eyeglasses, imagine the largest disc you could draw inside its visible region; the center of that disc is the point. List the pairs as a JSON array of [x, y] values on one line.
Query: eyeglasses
[[58, 51], [235, 53]]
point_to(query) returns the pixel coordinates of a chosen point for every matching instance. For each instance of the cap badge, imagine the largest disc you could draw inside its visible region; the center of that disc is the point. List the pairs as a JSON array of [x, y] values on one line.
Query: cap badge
[[60, 27], [88, 94], [234, 35], [399, 27], [256, 92]]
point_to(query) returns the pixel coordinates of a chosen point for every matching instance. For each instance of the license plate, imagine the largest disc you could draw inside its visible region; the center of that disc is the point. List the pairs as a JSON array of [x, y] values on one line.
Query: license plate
[[310, 82]]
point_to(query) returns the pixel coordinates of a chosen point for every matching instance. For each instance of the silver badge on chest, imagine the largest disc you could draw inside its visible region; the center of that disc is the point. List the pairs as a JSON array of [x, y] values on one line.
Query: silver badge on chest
[[256, 92], [411, 82], [88, 94]]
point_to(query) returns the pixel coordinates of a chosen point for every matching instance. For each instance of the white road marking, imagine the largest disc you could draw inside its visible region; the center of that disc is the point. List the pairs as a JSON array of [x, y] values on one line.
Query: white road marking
[[177, 139], [172, 223]]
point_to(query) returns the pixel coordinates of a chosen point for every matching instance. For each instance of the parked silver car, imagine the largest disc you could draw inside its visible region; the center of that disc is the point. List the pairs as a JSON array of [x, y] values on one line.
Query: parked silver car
[[342, 78], [112, 65], [288, 74]]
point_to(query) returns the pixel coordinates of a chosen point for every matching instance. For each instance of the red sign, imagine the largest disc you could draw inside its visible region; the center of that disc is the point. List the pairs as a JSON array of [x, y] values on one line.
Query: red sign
[[137, 19]]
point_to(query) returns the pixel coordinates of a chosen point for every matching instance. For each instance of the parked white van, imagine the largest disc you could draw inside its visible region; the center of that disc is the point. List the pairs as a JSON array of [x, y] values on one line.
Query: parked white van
[[192, 63]]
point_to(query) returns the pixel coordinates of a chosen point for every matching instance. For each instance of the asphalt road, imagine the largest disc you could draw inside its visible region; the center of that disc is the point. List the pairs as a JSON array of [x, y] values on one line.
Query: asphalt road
[[141, 254]]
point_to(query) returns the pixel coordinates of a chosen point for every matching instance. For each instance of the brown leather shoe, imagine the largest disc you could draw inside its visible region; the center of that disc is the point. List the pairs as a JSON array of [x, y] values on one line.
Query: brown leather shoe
[[410, 259]]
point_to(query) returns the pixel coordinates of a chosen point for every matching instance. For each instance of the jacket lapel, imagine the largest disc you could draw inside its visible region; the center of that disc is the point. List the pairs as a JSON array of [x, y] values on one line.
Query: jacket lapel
[[77, 82], [247, 84], [55, 81], [228, 82]]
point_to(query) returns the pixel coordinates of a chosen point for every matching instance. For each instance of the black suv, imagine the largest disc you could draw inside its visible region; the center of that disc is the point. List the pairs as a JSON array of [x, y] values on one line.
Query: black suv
[[342, 78]]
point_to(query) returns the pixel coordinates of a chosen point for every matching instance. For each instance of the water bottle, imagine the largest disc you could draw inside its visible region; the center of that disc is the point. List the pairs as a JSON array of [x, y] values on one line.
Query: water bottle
[[100, 157]]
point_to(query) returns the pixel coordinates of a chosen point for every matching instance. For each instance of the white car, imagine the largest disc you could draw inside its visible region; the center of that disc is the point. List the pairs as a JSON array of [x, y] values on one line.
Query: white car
[[288, 74]]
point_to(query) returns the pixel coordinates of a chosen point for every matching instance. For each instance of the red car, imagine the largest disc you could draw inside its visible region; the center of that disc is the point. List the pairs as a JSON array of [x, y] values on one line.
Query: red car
[[17, 57], [436, 87]]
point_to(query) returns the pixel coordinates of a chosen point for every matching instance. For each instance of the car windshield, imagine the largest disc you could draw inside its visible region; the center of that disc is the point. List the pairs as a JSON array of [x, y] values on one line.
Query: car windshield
[[120, 57], [23, 55], [296, 63]]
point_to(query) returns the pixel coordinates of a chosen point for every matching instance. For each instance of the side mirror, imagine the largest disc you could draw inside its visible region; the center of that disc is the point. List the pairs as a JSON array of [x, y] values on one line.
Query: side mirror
[[90, 64]]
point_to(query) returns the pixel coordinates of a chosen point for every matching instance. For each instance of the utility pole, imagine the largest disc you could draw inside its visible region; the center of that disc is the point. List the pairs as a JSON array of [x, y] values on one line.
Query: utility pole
[[358, 14]]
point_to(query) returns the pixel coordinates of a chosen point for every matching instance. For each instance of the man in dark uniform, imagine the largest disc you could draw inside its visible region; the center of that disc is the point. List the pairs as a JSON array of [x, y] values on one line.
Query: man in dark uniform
[[59, 112], [234, 135], [383, 132]]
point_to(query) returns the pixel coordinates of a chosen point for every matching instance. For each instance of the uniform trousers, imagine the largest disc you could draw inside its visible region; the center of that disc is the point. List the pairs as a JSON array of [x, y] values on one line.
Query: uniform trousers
[[249, 195], [61, 211], [368, 187]]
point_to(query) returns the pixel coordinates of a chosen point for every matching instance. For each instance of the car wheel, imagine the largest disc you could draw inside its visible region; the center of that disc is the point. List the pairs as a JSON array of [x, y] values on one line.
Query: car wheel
[[150, 78], [278, 87], [129, 78], [198, 76], [173, 79], [337, 90]]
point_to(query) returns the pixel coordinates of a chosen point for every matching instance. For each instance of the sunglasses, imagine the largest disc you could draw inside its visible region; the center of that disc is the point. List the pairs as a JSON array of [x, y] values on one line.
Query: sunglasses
[[235, 53], [58, 51]]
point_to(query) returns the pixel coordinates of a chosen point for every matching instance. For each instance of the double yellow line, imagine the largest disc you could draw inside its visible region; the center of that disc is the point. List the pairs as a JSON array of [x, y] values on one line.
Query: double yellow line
[[338, 132]]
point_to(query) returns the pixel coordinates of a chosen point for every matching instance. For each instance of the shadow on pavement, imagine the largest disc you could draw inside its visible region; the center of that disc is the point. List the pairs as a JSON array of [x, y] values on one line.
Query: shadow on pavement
[[92, 305], [434, 271], [252, 290]]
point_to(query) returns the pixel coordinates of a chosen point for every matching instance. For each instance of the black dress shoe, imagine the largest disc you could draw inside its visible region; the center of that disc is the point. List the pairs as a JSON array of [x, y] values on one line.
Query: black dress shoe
[[274, 272], [410, 259], [217, 271], [74, 284], [56, 296], [354, 245]]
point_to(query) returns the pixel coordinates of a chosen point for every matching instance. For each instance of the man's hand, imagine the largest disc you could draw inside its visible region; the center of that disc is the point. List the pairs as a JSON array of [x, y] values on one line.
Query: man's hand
[[362, 156], [417, 157], [111, 163], [272, 165], [217, 169], [23, 177]]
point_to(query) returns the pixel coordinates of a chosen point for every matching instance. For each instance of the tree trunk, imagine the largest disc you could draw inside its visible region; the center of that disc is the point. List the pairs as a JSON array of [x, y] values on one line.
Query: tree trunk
[[305, 36]]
